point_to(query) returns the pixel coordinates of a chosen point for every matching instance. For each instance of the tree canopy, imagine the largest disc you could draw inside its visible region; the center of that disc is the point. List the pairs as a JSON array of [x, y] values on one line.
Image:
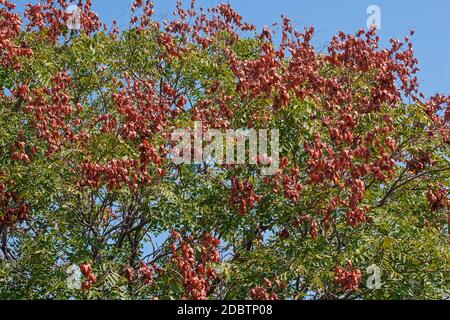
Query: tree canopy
[[86, 179]]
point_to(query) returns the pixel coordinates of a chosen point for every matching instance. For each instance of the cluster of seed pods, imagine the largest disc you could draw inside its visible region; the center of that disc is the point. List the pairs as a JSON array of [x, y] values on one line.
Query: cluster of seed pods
[[198, 270]]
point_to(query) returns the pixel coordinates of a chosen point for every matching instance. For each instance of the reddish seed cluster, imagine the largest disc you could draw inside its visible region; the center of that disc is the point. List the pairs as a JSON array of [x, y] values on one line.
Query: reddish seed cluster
[[260, 75], [10, 26], [224, 18], [283, 234], [261, 293], [267, 291], [356, 217], [438, 198], [20, 152], [150, 155], [143, 109], [334, 167], [54, 18], [130, 274], [145, 274], [420, 162], [358, 189], [54, 116], [203, 29], [167, 41], [12, 207], [114, 174], [147, 8], [214, 112], [313, 227], [109, 123], [439, 104], [287, 180], [86, 270], [435, 107], [243, 196], [198, 272], [348, 278], [117, 173], [291, 182]]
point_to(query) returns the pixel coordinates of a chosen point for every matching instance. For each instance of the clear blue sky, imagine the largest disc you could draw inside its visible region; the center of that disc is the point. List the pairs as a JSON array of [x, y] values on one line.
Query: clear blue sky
[[430, 19]]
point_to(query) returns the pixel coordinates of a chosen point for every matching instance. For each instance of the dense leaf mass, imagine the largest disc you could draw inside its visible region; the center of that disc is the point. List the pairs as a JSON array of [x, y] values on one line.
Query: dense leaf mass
[[86, 178]]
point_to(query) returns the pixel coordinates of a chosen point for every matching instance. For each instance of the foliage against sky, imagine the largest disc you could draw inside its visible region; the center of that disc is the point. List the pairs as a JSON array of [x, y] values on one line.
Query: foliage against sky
[[85, 176]]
